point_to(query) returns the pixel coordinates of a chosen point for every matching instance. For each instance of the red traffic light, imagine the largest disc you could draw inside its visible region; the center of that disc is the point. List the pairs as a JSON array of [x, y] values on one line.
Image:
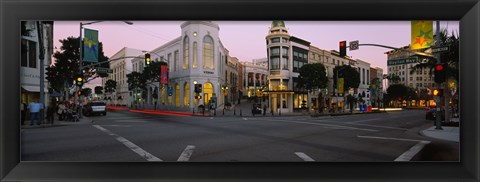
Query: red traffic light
[[342, 43], [439, 67]]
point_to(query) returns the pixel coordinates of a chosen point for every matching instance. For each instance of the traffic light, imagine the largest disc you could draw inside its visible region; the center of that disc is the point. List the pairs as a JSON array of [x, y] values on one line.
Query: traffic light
[[198, 88], [440, 70], [147, 59], [437, 92], [79, 80], [343, 48]]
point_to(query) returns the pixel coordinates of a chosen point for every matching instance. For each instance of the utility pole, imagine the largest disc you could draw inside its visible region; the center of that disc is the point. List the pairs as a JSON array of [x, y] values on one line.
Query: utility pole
[[41, 56], [438, 122]]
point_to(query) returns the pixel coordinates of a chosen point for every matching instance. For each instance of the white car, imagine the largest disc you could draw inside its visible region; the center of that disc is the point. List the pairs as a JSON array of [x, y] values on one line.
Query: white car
[[95, 107]]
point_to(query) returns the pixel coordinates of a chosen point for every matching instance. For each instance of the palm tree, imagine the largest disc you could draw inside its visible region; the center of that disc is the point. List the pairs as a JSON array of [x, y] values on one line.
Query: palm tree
[[451, 60]]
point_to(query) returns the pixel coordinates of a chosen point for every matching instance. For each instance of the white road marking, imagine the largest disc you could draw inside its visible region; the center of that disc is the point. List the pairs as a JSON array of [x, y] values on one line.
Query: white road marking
[[304, 156], [409, 154], [185, 156], [211, 117], [131, 121], [147, 156], [326, 125], [245, 119], [358, 121], [118, 125], [386, 138]]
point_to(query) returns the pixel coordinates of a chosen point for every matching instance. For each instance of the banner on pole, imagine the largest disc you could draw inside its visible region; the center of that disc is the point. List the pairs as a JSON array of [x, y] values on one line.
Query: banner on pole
[[90, 46], [340, 85], [422, 34], [164, 74]]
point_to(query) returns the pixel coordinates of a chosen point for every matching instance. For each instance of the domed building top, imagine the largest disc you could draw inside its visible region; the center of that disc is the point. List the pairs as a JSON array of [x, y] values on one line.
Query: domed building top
[[278, 23]]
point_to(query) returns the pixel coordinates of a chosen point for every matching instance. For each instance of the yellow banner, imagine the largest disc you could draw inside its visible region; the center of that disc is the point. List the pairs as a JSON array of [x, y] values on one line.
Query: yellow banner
[[422, 34], [340, 85]]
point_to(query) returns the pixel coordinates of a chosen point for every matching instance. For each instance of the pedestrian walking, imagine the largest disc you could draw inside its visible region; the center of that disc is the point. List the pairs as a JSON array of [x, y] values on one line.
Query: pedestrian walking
[[264, 110], [23, 108], [50, 112], [35, 108], [61, 111]]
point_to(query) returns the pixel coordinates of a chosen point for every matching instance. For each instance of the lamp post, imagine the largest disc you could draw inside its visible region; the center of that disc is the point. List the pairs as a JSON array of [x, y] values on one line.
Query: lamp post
[[80, 67], [336, 94]]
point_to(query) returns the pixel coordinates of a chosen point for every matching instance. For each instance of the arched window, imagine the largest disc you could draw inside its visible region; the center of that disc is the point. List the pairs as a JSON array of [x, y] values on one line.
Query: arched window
[[177, 95], [186, 52], [186, 92], [195, 55], [208, 52]]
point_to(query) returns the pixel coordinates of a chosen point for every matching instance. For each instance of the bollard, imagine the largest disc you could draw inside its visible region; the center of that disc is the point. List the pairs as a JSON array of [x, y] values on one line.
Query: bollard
[[234, 112], [280, 112], [240, 112], [223, 112], [193, 111]]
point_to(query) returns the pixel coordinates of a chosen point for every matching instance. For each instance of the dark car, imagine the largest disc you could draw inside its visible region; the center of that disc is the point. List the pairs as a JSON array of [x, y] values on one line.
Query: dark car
[[95, 107], [256, 109], [431, 114]]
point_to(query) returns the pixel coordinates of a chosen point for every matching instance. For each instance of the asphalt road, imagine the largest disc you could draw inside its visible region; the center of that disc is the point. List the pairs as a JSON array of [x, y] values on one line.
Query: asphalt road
[[122, 136]]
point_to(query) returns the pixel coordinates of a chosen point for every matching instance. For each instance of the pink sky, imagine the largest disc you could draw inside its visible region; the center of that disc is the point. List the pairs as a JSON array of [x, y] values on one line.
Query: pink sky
[[246, 39]]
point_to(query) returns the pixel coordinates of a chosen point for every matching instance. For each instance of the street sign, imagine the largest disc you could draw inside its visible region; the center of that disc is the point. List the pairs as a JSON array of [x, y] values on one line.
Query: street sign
[[354, 45], [440, 49], [402, 61], [104, 70]]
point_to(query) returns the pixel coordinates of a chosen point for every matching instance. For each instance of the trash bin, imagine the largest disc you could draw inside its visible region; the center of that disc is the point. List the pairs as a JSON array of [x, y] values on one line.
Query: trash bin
[[369, 109]]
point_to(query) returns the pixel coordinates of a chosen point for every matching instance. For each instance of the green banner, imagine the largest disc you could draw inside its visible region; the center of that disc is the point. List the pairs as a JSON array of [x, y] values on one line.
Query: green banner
[[90, 46], [402, 61]]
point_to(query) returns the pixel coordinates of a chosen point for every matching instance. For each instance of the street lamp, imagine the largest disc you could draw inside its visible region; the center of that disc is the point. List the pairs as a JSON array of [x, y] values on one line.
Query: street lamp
[[81, 54]]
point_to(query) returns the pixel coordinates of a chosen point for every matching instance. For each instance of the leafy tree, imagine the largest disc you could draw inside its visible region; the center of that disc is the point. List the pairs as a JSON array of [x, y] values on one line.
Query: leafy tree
[[136, 80], [312, 76], [152, 71], [86, 91], [351, 100], [396, 91], [110, 86], [351, 76], [66, 65], [395, 79], [98, 90]]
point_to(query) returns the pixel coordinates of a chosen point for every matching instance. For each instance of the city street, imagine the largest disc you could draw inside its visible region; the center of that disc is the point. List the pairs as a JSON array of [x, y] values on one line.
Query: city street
[[135, 137]]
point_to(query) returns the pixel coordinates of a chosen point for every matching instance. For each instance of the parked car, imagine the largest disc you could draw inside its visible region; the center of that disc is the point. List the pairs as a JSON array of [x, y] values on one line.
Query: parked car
[[95, 107], [431, 114]]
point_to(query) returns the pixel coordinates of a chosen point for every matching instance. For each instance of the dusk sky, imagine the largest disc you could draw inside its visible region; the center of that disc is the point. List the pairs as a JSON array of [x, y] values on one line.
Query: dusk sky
[[246, 39]]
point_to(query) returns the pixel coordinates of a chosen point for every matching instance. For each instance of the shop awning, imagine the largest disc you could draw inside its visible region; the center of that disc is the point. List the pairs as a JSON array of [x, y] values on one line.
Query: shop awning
[[34, 88]]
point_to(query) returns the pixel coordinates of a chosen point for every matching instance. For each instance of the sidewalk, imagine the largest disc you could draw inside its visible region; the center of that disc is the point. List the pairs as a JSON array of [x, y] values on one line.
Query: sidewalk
[[447, 133], [244, 109], [83, 120]]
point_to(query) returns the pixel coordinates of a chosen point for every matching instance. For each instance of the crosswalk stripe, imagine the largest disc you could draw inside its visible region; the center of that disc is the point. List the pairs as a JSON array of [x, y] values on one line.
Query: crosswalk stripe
[[147, 156], [304, 156], [187, 153]]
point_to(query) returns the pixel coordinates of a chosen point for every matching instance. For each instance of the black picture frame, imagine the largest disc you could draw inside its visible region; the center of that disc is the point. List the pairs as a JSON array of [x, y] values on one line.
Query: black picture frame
[[12, 12]]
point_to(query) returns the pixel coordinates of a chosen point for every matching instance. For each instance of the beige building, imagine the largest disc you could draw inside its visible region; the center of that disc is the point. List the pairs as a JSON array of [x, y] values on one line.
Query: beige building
[[399, 64]]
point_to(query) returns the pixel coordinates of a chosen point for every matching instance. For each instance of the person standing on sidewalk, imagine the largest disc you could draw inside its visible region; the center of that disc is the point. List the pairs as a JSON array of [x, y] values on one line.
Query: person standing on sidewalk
[[50, 112], [264, 110], [35, 108], [23, 108]]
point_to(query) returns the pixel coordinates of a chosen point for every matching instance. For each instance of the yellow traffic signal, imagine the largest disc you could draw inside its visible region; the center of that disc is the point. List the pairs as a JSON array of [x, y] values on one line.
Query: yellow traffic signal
[[79, 80], [147, 59]]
